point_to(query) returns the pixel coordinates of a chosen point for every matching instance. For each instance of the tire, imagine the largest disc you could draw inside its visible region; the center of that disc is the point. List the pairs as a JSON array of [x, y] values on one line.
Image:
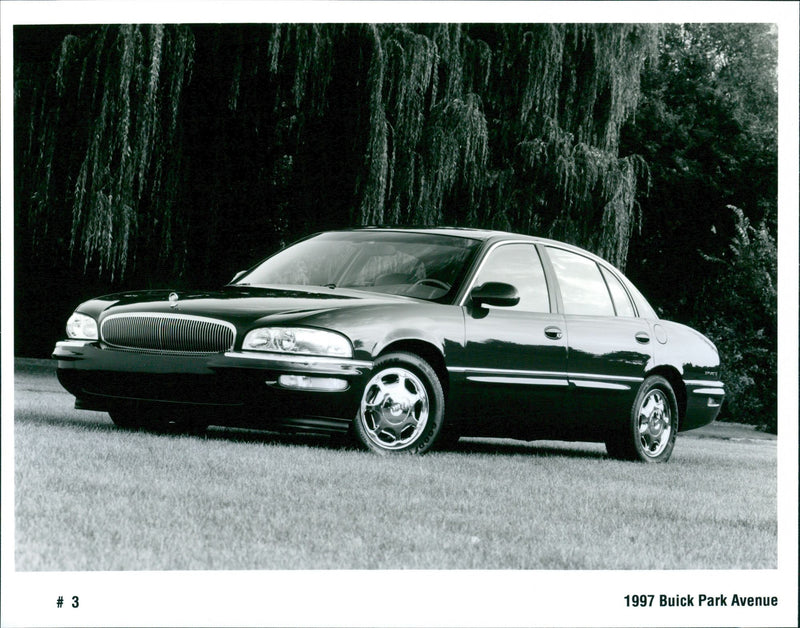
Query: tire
[[402, 406], [652, 427]]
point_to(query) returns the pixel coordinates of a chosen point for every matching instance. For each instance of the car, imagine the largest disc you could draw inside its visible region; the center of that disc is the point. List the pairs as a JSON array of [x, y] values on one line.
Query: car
[[403, 340]]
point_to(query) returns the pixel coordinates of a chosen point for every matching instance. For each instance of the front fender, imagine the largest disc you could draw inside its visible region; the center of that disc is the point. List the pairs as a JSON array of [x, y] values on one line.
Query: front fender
[[372, 328]]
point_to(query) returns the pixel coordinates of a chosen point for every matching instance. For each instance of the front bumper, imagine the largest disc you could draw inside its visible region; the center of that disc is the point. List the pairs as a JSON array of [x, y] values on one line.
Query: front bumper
[[262, 388]]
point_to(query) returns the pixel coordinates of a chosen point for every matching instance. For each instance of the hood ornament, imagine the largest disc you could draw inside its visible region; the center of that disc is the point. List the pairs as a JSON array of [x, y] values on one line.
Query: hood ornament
[[173, 299]]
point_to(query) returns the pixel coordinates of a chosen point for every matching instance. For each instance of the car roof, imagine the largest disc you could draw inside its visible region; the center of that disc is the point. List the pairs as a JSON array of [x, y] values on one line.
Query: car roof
[[462, 232], [475, 234]]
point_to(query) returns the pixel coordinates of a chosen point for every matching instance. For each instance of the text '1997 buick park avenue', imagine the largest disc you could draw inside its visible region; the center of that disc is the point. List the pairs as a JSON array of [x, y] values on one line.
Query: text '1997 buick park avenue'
[[402, 339]]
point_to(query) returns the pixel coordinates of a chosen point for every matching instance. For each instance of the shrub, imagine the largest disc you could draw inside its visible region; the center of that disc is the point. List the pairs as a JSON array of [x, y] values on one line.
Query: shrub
[[743, 324]]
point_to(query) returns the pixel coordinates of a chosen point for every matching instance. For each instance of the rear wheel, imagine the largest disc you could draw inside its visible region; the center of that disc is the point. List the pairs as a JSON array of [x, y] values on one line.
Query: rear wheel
[[402, 406], [650, 433]]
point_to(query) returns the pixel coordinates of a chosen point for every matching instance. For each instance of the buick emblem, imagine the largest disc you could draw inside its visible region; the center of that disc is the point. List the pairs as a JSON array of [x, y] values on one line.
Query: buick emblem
[[173, 299]]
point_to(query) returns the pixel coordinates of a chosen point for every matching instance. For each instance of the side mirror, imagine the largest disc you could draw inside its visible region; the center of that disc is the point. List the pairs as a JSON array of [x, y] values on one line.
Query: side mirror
[[495, 293], [238, 276]]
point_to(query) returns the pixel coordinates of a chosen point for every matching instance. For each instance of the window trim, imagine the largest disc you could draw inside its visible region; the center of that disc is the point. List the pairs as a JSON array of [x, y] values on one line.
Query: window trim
[[546, 271], [598, 265], [625, 290], [608, 289]]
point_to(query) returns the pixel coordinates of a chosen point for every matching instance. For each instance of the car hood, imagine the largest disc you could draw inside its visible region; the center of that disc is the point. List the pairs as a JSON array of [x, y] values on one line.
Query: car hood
[[241, 305]]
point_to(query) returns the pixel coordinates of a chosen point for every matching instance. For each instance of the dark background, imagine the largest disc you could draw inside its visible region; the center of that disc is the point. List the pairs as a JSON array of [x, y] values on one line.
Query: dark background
[[176, 155]]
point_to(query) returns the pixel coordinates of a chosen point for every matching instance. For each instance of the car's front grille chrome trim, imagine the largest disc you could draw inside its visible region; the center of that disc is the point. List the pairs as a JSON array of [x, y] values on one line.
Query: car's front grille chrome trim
[[167, 333]]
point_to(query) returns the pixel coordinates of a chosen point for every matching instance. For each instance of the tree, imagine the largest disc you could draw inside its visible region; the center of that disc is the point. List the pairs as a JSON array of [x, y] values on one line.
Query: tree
[[707, 128], [118, 164], [744, 323], [515, 126]]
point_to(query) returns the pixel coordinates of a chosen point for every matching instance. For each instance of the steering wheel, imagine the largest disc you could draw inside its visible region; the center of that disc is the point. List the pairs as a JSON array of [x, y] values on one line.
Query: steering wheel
[[431, 280]]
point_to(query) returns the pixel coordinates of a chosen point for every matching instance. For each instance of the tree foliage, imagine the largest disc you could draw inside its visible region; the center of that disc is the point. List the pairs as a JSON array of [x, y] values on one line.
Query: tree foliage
[[513, 126], [743, 322], [126, 83], [707, 127]]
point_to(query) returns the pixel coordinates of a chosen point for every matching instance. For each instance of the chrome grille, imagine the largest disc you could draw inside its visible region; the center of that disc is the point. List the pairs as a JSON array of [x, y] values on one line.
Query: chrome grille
[[168, 333]]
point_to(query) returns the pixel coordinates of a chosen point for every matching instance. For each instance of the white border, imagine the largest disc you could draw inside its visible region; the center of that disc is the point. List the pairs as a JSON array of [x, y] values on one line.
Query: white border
[[463, 598], [240, 11]]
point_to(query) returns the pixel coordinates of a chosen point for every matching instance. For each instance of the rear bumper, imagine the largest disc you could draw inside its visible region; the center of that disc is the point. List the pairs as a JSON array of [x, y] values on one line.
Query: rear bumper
[[703, 403], [262, 387]]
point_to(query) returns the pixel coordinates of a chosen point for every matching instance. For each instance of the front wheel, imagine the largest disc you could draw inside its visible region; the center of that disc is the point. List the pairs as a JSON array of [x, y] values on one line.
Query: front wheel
[[650, 433], [402, 406]]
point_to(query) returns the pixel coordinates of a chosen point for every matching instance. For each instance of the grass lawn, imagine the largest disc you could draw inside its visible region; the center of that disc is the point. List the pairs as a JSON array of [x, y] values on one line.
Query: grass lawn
[[92, 497]]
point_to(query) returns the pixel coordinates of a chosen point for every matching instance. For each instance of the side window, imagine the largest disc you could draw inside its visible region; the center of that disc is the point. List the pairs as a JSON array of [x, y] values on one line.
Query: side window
[[519, 265], [622, 302], [582, 287]]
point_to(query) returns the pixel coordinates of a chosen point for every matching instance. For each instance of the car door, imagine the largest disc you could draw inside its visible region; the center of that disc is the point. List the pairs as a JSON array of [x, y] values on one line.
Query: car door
[[609, 348], [513, 367]]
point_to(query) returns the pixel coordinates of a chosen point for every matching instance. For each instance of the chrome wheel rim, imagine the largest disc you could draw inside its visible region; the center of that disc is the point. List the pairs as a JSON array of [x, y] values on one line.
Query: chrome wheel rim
[[394, 408], [655, 423]]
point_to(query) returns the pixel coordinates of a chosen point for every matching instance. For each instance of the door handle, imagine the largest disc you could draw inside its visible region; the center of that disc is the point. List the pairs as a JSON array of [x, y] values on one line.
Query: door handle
[[554, 333], [642, 337]]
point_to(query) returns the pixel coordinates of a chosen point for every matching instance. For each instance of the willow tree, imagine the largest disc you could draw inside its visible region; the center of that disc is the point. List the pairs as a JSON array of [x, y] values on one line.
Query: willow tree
[[108, 119], [155, 142], [507, 126]]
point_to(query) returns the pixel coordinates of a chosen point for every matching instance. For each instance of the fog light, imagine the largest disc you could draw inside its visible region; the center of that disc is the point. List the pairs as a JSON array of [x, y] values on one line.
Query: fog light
[[301, 382]]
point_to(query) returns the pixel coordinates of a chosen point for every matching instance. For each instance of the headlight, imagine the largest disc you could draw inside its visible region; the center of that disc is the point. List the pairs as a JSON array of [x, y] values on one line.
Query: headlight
[[298, 340], [82, 326]]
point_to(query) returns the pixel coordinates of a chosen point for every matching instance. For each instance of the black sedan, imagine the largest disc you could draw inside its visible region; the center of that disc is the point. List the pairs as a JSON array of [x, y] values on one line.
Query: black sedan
[[403, 339]]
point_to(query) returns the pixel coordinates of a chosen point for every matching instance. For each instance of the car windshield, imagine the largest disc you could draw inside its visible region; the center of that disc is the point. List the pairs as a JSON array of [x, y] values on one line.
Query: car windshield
[[420, 265]]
